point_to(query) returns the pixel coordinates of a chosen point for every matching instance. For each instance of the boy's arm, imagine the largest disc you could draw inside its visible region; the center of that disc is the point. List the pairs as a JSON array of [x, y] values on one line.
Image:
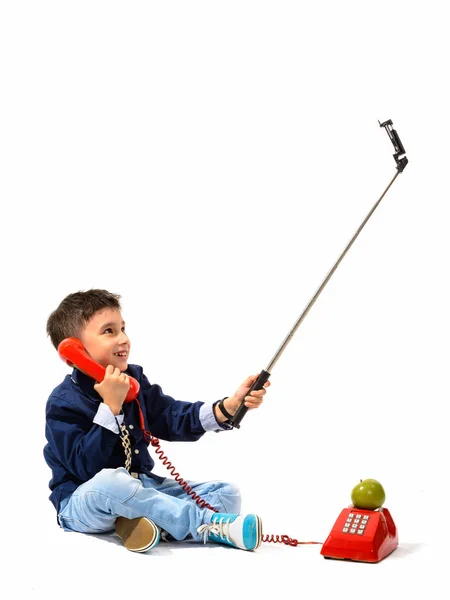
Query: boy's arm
[[170, 419], [174, 420]]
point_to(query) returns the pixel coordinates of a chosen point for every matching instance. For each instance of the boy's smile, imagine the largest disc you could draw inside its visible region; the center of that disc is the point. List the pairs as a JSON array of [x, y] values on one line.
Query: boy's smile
[[105, 339]]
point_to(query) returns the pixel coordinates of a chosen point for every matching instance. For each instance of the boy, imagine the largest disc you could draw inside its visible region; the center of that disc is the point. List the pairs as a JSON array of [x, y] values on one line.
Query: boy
[[96, 447]]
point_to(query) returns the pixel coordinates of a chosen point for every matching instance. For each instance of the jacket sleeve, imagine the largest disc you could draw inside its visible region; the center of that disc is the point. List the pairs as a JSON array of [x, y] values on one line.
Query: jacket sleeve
[[80, 445], [170, 419]]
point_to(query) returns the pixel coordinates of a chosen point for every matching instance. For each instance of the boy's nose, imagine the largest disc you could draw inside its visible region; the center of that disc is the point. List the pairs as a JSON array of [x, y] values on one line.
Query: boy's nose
[[123, 338]]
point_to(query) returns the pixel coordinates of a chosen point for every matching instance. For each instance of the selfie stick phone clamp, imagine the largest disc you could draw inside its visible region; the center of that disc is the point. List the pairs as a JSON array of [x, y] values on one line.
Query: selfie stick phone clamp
[[401, 161]]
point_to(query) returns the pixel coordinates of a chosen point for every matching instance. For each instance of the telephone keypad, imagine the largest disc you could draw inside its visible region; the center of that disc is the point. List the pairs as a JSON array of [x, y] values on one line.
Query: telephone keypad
[[355, 524]]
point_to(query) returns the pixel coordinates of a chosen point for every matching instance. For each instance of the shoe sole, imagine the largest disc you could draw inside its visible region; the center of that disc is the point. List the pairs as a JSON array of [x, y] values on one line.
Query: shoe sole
[[137, 535], [258, 532]]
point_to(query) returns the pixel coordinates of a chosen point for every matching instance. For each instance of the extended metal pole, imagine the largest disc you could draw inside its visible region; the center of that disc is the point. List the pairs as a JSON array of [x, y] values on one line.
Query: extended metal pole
[[265, 373], [310, 304]]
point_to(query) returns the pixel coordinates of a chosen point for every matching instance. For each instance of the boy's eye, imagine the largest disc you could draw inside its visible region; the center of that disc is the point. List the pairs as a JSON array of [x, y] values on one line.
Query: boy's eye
[[106, 330]]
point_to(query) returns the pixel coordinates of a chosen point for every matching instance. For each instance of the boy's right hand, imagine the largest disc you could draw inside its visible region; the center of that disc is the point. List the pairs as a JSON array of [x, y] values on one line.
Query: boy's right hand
[[113, 389]]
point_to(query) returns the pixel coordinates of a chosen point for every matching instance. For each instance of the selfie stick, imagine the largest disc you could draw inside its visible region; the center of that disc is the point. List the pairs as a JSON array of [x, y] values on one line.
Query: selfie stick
[[265, 373]]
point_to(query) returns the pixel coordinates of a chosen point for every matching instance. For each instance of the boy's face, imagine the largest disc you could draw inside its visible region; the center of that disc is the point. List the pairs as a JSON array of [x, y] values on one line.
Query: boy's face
[[105, 339]]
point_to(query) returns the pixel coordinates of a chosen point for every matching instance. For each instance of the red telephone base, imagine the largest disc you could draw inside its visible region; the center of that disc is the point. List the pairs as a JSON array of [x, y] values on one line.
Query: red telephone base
[[361, 535]]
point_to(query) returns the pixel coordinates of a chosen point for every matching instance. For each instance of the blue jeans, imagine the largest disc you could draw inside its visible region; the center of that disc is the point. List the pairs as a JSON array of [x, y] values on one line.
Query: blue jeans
[[112, 493]]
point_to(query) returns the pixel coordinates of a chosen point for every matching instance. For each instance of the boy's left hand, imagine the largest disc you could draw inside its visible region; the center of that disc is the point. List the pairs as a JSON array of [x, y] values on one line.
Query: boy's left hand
[[251, 401]]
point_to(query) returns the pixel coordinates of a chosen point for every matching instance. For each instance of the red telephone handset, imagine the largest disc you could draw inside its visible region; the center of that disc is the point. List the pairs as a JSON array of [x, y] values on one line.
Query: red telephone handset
[[72, 352]]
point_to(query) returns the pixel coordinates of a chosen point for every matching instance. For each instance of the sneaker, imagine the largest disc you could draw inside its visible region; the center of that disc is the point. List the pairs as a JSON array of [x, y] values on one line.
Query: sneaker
[[138, 535], [240, 531]]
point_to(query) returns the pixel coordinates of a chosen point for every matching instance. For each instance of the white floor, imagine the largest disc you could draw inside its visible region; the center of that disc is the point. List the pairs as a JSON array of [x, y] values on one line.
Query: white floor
[[73, 565], [45, 562]]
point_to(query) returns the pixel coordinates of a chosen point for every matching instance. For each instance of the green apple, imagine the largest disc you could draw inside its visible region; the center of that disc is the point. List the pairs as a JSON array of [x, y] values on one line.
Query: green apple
[[368, 494]]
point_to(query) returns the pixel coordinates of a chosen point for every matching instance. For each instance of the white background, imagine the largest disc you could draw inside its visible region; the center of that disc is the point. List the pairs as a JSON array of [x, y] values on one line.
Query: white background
[[209, 161]]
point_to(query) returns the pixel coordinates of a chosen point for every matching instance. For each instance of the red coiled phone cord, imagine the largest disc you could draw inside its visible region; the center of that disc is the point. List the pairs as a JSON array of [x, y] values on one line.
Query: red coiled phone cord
[[280, 539]]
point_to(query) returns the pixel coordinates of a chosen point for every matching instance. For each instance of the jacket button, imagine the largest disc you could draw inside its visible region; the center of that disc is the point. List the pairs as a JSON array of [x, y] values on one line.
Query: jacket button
[[136, 451], [131, 426]]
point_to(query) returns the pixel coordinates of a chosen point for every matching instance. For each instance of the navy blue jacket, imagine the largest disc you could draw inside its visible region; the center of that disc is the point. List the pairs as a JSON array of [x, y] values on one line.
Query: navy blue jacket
[[78, 448]]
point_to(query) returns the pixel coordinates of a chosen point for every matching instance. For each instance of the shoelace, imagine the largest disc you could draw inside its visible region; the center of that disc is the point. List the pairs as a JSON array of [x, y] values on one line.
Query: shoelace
[[220, 528]]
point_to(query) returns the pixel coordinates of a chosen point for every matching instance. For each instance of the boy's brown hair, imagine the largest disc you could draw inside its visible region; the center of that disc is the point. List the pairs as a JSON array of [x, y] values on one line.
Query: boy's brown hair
[[76, 310]]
